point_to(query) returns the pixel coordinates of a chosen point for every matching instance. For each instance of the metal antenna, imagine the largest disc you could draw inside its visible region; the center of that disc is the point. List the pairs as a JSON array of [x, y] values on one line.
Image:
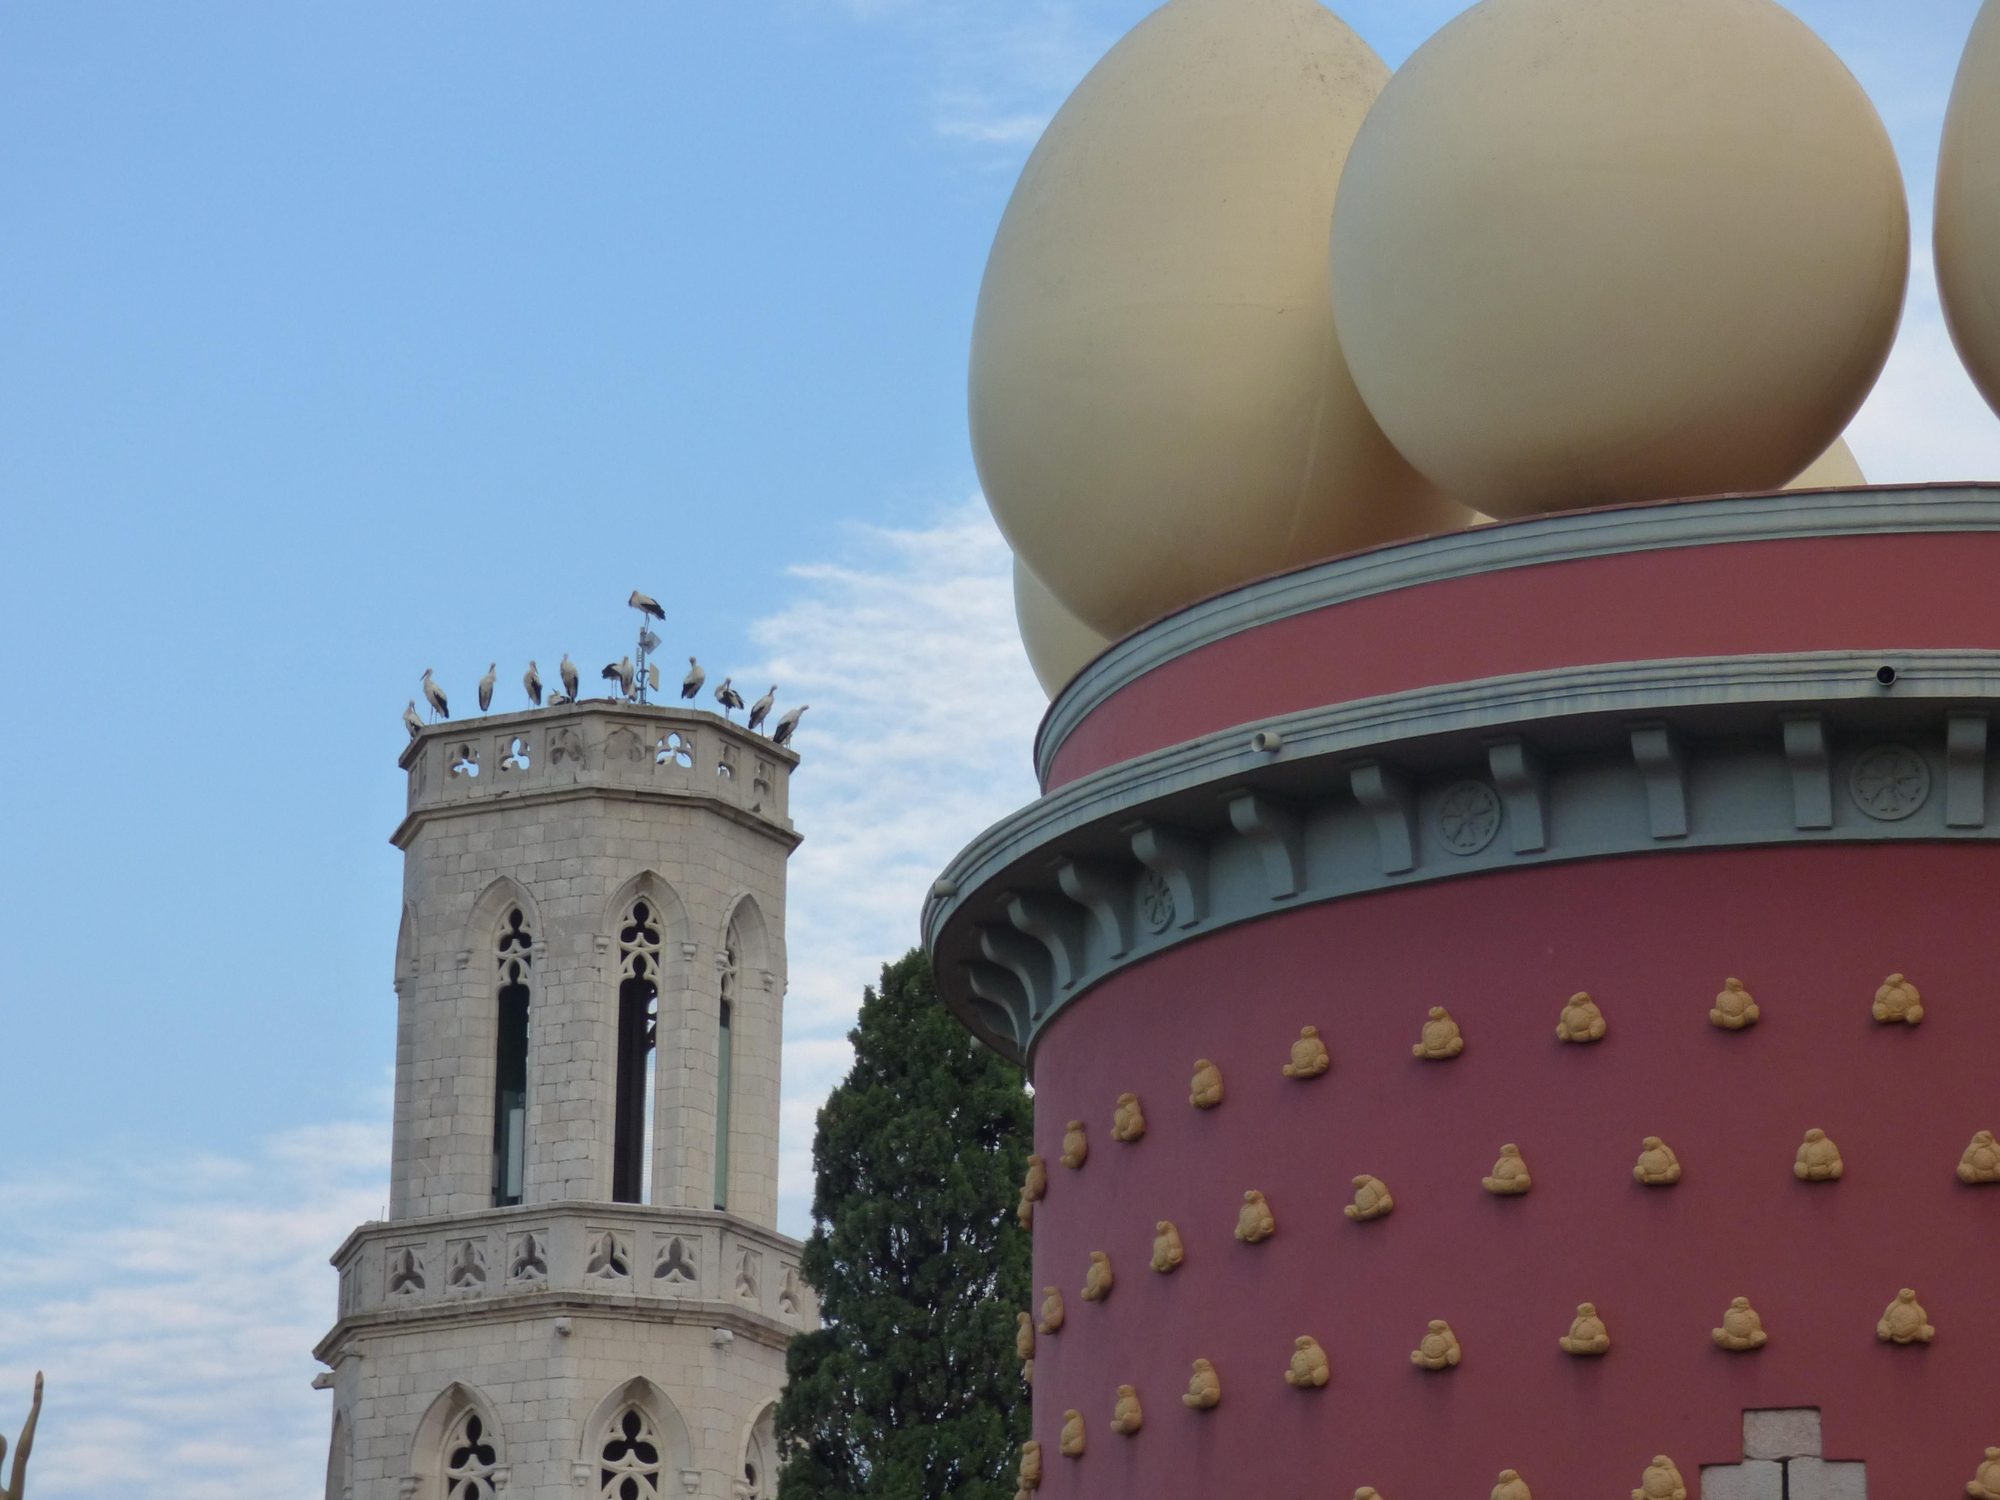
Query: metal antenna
[[649, 609]]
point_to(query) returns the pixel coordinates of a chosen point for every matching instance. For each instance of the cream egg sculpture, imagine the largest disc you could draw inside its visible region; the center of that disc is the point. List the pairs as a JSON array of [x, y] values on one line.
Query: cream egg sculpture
[[1159, 405], [1966, 223], [1593, 251], [1059, 645]]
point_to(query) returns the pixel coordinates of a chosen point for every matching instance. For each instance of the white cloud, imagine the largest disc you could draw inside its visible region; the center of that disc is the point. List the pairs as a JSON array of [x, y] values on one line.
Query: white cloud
[[923, 720], [174, 1304]]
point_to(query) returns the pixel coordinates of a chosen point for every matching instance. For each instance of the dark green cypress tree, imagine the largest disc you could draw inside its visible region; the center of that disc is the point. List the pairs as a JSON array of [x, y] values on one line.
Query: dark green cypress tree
[[912, 1390]]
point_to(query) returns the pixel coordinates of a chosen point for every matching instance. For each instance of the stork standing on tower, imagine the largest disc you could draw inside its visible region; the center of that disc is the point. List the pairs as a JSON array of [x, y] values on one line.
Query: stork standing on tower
[[434, 696], [649, 609], [486, 687], [728, 697], [761, 709], [410, 720], [532, 681], [783, 733], [568, 671], [622, 673], [691, 684]]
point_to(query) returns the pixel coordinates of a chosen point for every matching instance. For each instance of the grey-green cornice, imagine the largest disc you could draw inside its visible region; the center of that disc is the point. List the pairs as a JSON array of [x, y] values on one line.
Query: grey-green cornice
[[1351, 798]]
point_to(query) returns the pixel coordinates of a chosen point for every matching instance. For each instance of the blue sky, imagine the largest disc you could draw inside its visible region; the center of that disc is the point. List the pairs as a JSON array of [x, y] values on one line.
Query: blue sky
[[337, 342]]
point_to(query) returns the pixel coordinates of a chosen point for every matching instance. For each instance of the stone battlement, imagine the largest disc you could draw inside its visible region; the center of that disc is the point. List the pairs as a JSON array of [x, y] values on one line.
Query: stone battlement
[[595, 748], [683, 1264]]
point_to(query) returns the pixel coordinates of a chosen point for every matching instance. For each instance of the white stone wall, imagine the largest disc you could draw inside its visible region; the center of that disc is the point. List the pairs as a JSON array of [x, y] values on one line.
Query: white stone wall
[[574, 812], [593, 821]]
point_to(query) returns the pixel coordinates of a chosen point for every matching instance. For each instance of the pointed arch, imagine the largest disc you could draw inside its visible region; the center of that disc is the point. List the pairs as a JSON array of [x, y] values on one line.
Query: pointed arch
[[635, 1444], [648, 927], [757, 1464], [407, 948], [746, 931], [458, 1452], [337, 1459], [504, 934]]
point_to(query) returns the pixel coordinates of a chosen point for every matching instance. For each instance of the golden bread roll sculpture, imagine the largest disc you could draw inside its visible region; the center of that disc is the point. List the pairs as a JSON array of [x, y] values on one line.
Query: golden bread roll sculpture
[[1897, 1002], [1661, 1481], [1371, 1200], [1818, 1159], [1254, 1220], [1158, 402], [1985, 1484], [1034, 1187], [1076, 1146], [1587, 1334], [1439, 1349], [1031, 1465], [1441, 1039], [1734, 1009], [1204, 1392], [1309, 1369], [1905, 1322], [1052, 1310], [1657, 1165], [1128, 1120], [1070, 1445], [1205, 1088], [1981, 1161], [1309, 1055], [1580, 1021], [1690, 291], [1168, 1251], [1126, 1415], [1511, 1487], [1510, 1173], [1742, 1330], [1097, 1281]]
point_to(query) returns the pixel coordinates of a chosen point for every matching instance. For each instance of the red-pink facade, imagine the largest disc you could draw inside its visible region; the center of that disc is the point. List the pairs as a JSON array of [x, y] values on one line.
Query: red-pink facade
[[1747, 740]]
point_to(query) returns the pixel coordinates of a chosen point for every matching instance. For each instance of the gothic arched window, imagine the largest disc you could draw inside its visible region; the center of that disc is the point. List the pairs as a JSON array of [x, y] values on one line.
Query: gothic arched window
[[515, 953], [638, 1021], [469, 1460], [725, 1059], [629, 1465]]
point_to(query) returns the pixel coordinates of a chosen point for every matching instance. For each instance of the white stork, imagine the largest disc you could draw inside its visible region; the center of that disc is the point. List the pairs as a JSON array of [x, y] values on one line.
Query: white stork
[[486, 687], [783, 733], [569, 677], [621, 673], [410, 720], [691, 684], [434, 696], [761, 709], [728, 697], [648, 604], [532, 681]]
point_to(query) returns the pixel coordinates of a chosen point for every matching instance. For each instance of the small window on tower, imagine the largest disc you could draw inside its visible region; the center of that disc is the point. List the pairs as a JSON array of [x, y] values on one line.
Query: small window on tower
[[638, 1021], [510, 1063]]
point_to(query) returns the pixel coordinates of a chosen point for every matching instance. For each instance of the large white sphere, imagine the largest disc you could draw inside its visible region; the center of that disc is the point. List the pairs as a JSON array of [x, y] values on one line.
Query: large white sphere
[[1835, 469], [1590, 251], [1059, 645], [1159, 405], [1966, 231]]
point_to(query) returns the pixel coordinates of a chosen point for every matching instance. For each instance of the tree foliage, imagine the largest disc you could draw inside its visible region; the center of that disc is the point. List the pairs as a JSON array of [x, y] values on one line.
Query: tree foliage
[[911, 1390]]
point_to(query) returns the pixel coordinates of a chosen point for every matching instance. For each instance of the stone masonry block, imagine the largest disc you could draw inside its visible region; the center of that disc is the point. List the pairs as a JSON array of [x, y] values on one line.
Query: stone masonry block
[[1791, 1432], [1816, 1479], [1754, 1480]]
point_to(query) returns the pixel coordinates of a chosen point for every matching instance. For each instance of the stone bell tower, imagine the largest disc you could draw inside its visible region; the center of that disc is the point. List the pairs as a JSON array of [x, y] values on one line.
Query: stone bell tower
[[580, 1288]]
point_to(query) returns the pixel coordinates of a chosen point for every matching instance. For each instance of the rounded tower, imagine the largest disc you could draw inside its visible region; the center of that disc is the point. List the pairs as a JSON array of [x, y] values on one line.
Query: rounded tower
[[580, 1282], [1551, 962]]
